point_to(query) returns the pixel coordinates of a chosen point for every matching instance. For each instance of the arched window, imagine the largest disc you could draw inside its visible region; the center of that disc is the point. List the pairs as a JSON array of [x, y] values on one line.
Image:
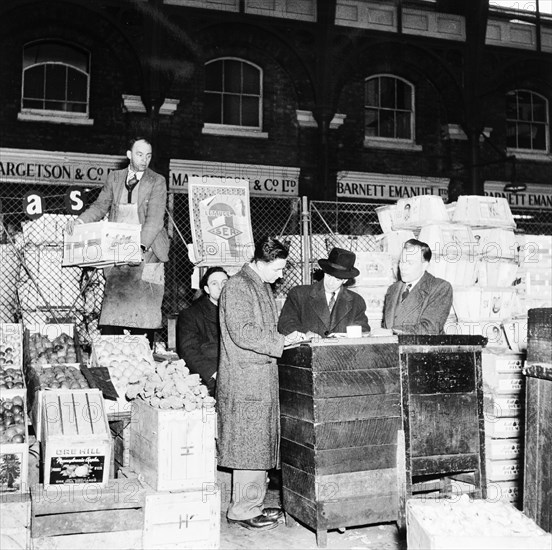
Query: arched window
[[56, 78], [388, 108], [233, 93], [527, 121]]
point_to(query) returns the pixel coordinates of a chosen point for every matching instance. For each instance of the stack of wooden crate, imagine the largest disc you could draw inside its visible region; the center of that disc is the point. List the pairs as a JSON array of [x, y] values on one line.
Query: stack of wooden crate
[[504, 396], [173, 452]]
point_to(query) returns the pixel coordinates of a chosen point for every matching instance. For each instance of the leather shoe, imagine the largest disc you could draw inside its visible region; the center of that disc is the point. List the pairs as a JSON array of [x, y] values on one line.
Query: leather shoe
[[258, 523], [273, 513]]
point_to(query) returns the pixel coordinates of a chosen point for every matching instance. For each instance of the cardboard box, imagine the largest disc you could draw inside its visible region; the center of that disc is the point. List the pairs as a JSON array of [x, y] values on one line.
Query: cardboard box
[[504, 470], [102, 243], [173, 449], [503, 428], [76, 440], [458, 524], [502, 449], [483, 211], [182, 520]]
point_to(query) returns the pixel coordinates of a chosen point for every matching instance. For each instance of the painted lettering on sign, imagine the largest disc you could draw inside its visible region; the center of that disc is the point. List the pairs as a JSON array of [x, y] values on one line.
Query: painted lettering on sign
[[533, 197]]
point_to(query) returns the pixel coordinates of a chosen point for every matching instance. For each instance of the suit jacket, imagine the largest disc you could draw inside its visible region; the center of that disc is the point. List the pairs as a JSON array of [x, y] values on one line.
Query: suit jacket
[[306, 308], [197, 337], [151, 202], [425, 309]]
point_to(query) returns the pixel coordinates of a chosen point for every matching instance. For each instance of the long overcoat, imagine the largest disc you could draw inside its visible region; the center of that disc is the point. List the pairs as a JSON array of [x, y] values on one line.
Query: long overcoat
[[247, 380]]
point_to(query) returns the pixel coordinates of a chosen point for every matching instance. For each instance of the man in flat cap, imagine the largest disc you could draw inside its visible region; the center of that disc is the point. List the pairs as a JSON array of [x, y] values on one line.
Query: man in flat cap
[[327, 306]]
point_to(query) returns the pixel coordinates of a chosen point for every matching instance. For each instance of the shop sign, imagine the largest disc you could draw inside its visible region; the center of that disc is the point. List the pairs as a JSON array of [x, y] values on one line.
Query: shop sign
[[372, 186], [535, 196], [56, 168], [264, 180]]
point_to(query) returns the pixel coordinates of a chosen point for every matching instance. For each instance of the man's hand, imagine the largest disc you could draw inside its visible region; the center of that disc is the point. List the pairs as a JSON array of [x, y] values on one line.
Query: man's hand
[[294, 337], [70, 226]]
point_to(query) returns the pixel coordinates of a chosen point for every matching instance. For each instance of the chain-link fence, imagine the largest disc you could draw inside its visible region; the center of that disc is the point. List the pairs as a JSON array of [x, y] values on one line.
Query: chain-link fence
[[36, 289]]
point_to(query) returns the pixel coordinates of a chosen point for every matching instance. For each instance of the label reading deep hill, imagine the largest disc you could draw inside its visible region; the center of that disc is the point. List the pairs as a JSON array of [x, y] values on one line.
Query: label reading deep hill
[[76, 469]]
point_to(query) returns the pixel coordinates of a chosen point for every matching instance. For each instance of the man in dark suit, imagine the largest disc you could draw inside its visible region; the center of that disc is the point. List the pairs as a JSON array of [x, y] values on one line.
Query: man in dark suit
[[419, 303], [327, 306]]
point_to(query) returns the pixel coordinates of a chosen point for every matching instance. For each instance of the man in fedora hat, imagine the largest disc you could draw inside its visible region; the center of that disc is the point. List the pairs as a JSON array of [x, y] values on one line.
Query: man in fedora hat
[[327, 306]]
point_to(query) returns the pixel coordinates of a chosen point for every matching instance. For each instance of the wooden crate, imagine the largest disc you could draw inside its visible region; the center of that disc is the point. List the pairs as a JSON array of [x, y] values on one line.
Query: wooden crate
[[173, 449], [340, 417], [14, 457], [458, 525], [76, 441], [15, 514], [120, 435], [85, 508], [182, 520]]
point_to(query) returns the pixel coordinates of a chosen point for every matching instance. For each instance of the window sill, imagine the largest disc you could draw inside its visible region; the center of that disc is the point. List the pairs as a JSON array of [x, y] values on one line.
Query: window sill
[[522, 154], [392, 144], [233, 131], [55, 119]]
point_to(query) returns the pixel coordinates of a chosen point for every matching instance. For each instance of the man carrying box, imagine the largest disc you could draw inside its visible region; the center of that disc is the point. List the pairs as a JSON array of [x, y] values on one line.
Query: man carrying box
[[133, 292]]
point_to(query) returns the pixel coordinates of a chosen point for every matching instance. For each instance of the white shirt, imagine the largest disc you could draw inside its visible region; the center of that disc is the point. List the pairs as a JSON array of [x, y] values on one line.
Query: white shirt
[[329, 296], [413, 283]]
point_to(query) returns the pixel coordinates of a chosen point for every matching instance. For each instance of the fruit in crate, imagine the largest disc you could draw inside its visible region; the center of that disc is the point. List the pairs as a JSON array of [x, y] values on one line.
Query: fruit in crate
[[10, 378], [61, 376], [128, 360], [172, 386], [12, 420], [43, 351], [10, 349]]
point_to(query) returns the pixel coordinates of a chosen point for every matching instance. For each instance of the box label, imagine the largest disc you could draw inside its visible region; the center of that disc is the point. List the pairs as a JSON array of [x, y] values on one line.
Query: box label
[[77, 469]]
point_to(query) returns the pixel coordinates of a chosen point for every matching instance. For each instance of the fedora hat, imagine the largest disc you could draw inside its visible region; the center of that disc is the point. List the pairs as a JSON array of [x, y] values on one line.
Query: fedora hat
[[340, 264]]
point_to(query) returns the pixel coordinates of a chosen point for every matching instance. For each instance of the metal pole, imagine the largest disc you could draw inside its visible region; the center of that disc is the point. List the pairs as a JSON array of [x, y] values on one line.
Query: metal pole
[[305, 229]]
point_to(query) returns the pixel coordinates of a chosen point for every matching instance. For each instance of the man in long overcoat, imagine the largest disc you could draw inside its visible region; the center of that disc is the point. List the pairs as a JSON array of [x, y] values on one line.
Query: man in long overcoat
[[247, 384]]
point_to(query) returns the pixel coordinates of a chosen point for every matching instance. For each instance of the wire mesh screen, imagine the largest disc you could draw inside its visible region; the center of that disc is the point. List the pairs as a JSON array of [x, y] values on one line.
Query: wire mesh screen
[[35, 288], [278, 217]]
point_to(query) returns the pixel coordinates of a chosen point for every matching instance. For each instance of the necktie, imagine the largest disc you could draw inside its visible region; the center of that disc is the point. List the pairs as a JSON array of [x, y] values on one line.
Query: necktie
[[332, 301], [406, 292], [130, 185]]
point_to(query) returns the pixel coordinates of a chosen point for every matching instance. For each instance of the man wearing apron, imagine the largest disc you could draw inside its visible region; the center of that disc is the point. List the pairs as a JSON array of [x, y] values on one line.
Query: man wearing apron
[[134, 293]]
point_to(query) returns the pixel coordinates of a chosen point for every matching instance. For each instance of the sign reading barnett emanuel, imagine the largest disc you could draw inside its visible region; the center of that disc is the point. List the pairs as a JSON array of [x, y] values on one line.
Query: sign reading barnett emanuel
[[57, 168], [387, 187], [264, 180]]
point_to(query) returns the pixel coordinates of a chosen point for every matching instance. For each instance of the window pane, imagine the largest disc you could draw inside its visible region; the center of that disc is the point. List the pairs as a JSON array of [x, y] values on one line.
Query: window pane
[[231, 109], [404, 96], [403, 125], [212, 111], [387, 124], [539, 137], [76, 85], [33, 104], [511, 105], [34, 82], [387, 97], [524, 106], [43, 52], [511, 135], [55, 81], [250, 111], [371, 122], [232, 77], [524, 136], [539, 108], [213, 76], [371, 93], [251, 80]]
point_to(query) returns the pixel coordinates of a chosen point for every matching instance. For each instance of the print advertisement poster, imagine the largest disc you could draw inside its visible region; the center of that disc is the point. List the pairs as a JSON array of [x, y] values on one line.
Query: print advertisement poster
[[220, 220]]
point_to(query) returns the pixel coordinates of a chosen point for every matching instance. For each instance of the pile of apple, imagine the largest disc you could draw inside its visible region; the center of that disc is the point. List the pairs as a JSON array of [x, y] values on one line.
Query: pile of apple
[[128, 359], [12, 420], [61, 376], [10, 378], [43, 351]]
